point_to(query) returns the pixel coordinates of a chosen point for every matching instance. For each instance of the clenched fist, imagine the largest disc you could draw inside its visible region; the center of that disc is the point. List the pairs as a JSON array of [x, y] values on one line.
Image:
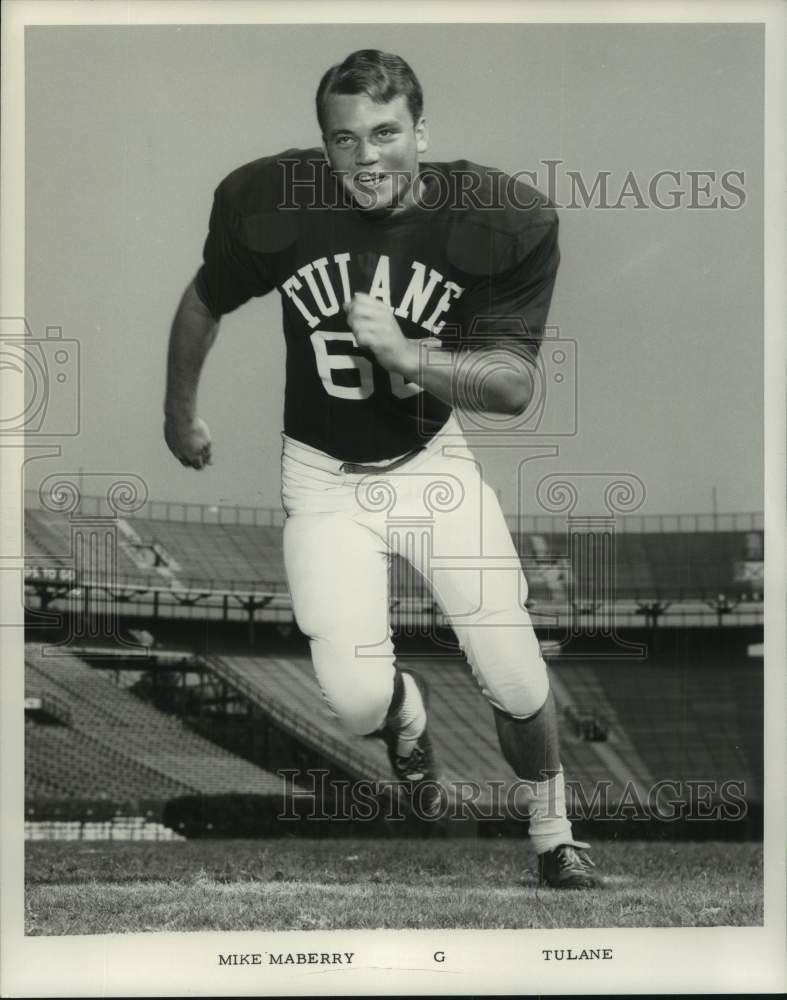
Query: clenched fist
[[376, 329], [189, 441]]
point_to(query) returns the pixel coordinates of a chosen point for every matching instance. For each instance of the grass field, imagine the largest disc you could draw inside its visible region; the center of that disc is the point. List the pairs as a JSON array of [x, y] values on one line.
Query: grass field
[[94, 887]]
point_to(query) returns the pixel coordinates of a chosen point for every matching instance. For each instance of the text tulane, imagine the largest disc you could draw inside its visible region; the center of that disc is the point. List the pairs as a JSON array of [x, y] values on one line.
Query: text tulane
[[570, 955]]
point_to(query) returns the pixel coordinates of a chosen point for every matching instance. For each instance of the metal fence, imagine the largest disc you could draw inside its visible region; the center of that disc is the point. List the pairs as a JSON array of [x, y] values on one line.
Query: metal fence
[[169, 510], [119, 828], [643, 523]]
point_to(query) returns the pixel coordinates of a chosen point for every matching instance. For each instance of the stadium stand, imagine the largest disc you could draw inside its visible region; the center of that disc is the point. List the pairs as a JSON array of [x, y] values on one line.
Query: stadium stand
[[664, 722], [685, 722], [48, 538], [465, 737], [113, 720], [461, 725], [285, 689], [241, 554], [694, 724], [47, 534], [39, 786], [72, 764], [657, 564], [672, 565], [214, 553], [667, 718]]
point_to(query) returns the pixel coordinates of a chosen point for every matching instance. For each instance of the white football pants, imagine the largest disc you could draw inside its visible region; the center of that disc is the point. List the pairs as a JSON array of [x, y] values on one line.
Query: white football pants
[[436, 511]]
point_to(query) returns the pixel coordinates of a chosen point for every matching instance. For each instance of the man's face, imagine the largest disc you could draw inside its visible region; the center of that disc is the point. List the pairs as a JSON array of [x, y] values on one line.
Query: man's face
[[374, 149]]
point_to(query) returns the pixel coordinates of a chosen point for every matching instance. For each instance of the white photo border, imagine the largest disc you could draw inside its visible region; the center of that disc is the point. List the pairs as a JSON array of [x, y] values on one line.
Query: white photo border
[[711, 960]]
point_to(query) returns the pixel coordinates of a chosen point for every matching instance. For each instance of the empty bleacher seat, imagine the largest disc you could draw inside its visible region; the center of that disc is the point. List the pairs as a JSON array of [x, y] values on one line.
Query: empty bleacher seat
[[138, 738]]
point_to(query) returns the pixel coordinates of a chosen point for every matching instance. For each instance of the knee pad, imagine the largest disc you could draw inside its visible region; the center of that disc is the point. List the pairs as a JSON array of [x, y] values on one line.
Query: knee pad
[[358, 690], [525, 699], [363, 725], [364, 713], [509, 669]]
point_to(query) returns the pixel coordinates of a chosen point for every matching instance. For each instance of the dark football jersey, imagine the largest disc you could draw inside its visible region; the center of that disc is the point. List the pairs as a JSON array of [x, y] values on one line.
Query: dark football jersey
[[473, 263]]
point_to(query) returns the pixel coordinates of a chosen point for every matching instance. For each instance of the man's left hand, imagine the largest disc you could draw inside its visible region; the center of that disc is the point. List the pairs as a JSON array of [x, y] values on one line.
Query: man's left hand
[[376, 329]]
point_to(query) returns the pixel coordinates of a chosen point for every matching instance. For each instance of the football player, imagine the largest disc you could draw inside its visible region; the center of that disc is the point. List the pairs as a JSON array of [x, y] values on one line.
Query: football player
[[385, 263]]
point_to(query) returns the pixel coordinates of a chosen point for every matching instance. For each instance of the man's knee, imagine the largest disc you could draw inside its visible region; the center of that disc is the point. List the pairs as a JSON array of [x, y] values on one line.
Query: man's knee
[[524, 697], [358, 689], [510, 669], [362, 710]]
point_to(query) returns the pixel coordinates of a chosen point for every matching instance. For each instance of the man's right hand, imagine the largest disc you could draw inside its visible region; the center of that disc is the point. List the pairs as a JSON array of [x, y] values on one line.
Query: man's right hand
[[189, 441]]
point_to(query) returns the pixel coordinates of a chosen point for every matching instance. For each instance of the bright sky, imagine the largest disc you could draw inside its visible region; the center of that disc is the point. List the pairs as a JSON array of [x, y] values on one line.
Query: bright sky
[[665, 306]]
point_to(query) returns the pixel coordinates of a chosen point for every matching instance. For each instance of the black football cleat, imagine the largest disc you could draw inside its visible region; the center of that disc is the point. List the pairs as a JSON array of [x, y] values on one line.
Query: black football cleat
[[418, 771], [565, 867]]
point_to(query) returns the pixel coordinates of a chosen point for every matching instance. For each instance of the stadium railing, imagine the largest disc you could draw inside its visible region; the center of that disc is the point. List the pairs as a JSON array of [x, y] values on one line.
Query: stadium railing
[[235, 514], [232, 565]]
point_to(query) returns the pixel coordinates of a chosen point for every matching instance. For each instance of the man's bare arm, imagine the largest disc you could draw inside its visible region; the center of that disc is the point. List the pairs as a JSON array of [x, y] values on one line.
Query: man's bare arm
[[193, 333], [491, 378]]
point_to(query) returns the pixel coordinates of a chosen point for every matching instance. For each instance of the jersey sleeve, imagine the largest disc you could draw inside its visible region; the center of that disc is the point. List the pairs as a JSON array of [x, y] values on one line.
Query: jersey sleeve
[[509, 309], [231, 273]]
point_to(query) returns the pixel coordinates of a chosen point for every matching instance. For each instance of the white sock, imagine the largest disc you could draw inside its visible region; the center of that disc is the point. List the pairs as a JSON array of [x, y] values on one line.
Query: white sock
[[549, 825], [412, 717]]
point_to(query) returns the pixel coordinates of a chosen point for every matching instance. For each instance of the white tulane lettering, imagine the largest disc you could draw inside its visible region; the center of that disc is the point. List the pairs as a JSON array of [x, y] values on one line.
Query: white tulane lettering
[[342, 260], [331, 307], [421, 292], [416, 296], [452, 291], [289, 286], [381, 282]]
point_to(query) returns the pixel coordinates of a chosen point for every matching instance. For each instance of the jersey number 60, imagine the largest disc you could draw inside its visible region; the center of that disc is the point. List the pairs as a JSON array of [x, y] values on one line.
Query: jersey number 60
[[327, 364]]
